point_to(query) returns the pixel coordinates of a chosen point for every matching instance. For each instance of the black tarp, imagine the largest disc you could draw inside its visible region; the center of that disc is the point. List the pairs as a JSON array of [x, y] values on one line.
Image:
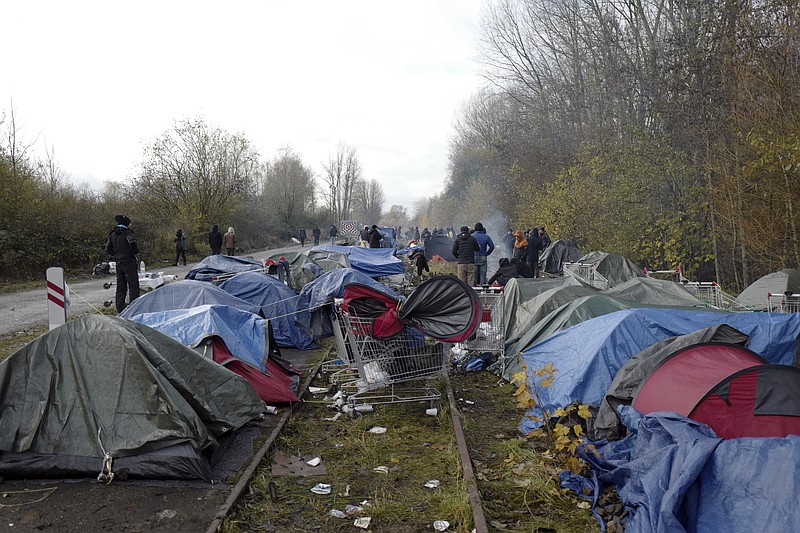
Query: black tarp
[[552, 259], [440, 245], [444, 308]]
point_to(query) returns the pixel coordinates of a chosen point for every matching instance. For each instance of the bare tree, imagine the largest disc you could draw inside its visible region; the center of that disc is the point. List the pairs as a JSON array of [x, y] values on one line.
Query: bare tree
[[342, 172], [288, 188], [368, 200], [195, 173]]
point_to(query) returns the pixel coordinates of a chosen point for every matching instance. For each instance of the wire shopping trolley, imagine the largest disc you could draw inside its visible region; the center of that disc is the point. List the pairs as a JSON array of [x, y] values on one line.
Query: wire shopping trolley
[[382, 364], [490, 334]]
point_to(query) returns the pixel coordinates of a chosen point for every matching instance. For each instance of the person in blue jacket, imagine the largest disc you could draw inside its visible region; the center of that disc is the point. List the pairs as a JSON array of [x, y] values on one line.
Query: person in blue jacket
[[486, 246]]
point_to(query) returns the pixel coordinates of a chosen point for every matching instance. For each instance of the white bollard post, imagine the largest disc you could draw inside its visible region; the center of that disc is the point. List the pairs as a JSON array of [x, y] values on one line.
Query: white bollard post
[[56, 297]]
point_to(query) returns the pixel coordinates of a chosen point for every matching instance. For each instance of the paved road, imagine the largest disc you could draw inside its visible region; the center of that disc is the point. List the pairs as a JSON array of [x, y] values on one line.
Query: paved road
[[27, 310]]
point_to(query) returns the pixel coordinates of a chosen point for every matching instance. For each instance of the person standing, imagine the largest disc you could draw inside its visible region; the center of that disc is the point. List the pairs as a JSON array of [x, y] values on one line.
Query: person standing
[[122, 247], [464, 248], [486, 248], [520, 252], [333, 233], [508, 243], [230, 241], [534, 245], [374, 237], [215, 240], [316, 232], [302, 236], [545, 238], [180, 247]]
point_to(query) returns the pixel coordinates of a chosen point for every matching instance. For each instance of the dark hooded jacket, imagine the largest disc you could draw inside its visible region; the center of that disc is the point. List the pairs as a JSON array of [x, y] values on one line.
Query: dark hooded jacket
[[122, 245], [464, 248], [375, 238], [215, 238], [525, 271], [505, 272]]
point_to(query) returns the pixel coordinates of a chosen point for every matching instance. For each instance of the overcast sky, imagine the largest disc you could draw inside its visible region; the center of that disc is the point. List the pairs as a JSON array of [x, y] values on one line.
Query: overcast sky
[[96, 80]]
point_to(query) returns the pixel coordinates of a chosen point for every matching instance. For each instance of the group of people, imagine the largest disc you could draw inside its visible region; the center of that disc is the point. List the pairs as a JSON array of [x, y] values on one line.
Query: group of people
[[122, 247], [471, 247], [302, 235]]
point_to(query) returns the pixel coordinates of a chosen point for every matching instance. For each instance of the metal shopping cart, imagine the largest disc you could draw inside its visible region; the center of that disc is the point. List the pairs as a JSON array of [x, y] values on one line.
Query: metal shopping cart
[[783, 302], [382, 365], [490, 335], [587, 273]]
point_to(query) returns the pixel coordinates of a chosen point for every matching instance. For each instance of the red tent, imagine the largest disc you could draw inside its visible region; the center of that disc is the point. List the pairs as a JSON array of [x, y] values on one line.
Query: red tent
[[276, 386], [365, 302], [681, 381], [760, 401]]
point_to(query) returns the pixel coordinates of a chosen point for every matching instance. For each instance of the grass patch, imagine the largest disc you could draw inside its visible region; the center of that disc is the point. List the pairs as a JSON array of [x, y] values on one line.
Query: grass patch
[[416, 448], [14, 341], [517, 477]]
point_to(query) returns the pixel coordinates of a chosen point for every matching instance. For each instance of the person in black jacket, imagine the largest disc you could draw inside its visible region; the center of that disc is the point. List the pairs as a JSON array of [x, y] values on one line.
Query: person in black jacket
[[316, 232], [464, 248], [534, 245], [122, 247], [302, 236], [180, 247], [504, 272], [375, 237], [522, 267], [215, 240]]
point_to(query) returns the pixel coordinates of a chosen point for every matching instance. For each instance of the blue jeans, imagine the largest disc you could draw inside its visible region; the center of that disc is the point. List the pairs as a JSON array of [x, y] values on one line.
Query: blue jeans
[[480, 271]]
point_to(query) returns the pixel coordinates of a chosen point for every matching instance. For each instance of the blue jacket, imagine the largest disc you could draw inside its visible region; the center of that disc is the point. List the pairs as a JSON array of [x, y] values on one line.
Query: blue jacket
[[485, 243]]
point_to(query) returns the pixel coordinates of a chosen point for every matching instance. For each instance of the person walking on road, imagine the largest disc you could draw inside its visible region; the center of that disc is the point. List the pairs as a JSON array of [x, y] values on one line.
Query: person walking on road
[[230, 241], [180, 247], [215, 240], [464, 248], [122, 247], [316, 233], [333, 233], [302, 236]]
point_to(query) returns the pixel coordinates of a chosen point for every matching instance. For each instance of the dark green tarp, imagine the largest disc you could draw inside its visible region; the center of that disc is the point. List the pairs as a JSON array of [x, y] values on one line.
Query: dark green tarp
[[654, 291], [615, 268], [102, 384]]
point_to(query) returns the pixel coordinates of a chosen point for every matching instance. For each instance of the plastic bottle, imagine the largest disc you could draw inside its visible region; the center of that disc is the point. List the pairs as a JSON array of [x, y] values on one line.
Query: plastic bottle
[[141, 267]]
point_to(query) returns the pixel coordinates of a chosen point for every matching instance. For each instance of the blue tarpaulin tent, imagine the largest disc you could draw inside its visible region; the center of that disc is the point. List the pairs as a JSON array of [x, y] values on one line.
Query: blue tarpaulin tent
[[374, 262], [675, 476], [183, 295], [245, 334], [588, 355], [278, 303], [218, 265]]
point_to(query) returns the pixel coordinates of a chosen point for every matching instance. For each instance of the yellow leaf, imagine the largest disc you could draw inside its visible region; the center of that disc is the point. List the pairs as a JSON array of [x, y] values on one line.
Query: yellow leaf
[[584, 412], [519, 377], [560, 412], [561, 430], [578, 430], [550, 369], [546, 382]]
